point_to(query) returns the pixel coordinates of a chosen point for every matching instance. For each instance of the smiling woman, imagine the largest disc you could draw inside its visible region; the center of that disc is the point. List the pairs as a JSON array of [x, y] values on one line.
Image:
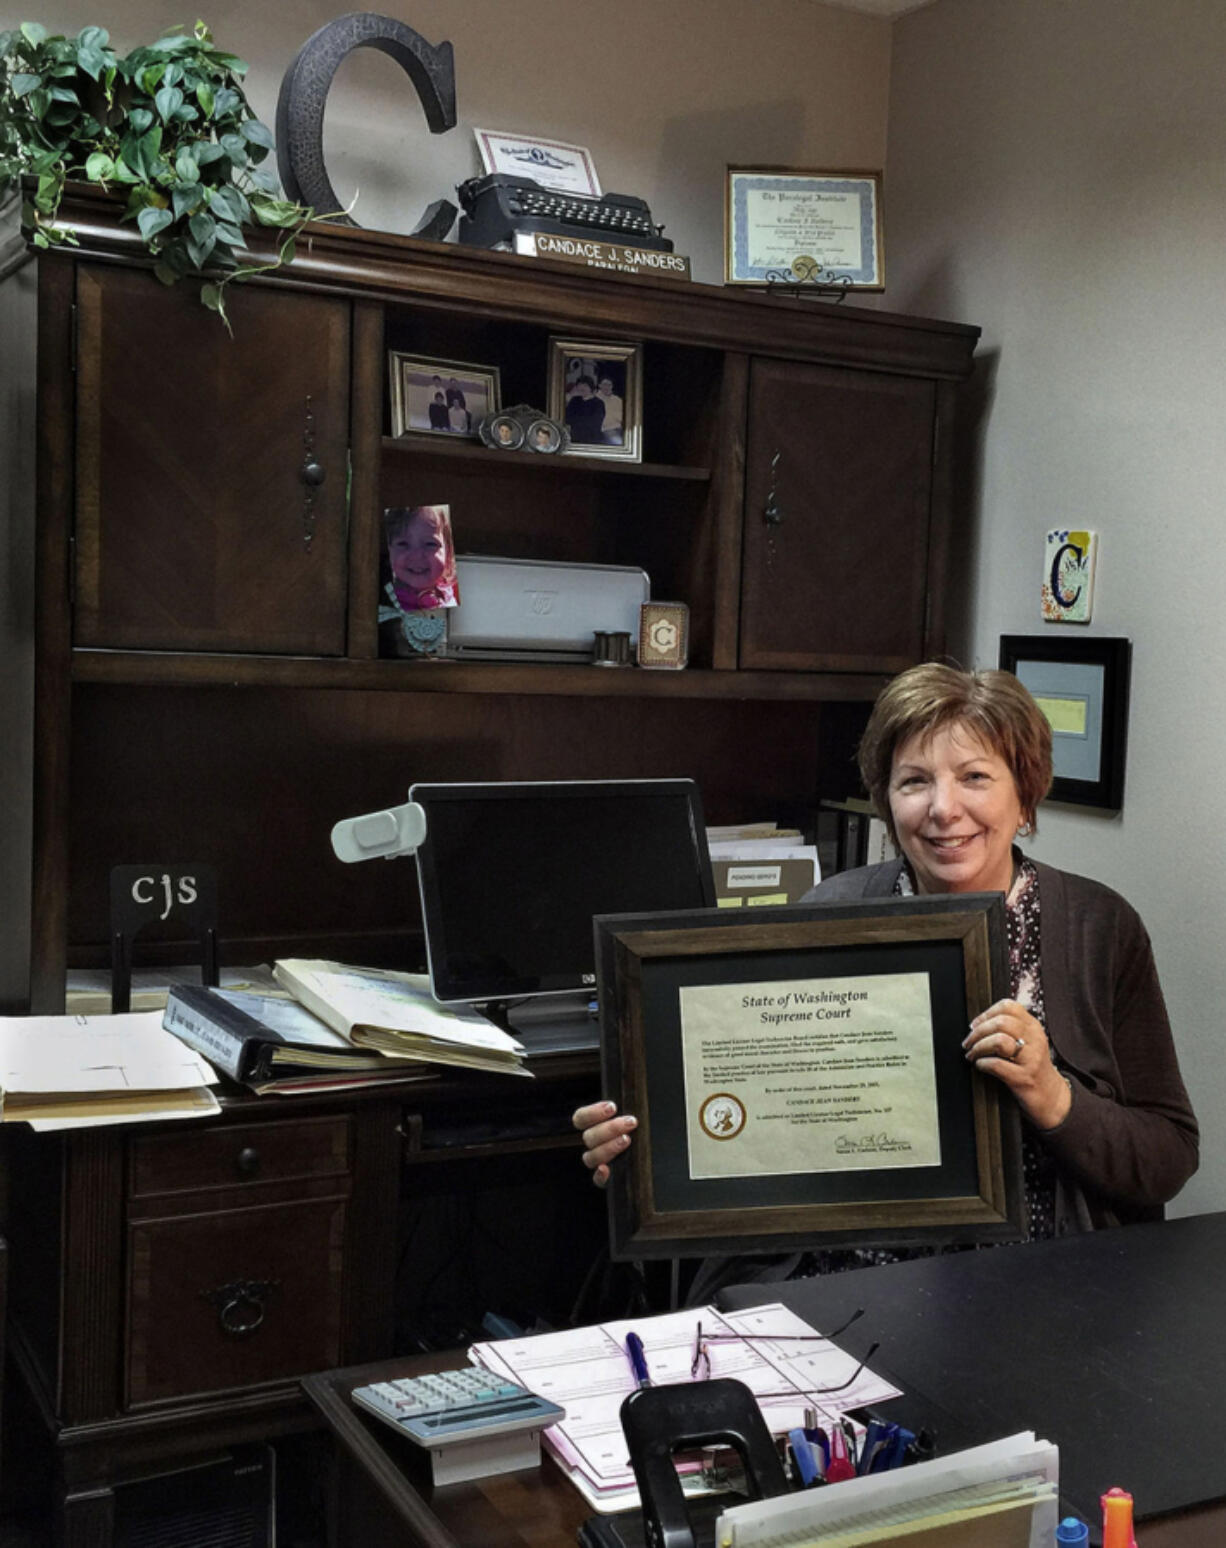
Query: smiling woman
[[957, 763], [955, 810]]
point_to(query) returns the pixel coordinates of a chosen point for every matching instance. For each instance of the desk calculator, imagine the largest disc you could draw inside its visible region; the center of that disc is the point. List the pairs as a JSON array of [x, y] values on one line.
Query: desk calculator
[[471, 1422]]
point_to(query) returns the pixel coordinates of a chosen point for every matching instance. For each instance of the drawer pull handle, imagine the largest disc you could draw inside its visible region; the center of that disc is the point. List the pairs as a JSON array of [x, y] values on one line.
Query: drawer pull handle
[[772, 513], [241, 1306], [248, 1162], [312, 474]]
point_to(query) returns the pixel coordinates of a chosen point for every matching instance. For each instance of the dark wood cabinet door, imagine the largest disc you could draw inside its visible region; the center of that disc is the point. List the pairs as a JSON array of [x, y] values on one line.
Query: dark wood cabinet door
[[837, 515], [191, 510]]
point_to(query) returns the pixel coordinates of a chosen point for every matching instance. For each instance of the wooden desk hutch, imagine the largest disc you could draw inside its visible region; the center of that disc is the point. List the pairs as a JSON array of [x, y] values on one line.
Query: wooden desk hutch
[[187, 677]]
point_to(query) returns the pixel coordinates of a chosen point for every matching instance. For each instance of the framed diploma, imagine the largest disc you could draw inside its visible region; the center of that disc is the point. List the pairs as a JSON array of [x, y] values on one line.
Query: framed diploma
[[785, 226], [799, 1078]]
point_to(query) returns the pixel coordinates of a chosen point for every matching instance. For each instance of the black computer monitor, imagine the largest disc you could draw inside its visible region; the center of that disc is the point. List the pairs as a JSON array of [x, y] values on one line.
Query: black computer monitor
[[511, 875]]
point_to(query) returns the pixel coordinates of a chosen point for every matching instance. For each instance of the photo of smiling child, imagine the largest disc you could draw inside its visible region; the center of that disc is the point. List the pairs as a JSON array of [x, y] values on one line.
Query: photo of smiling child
[[422, 579]]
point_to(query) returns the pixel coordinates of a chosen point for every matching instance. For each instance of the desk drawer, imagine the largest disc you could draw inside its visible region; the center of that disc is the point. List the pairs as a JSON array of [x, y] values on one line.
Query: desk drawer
[[233, 1298], [229, 1157]]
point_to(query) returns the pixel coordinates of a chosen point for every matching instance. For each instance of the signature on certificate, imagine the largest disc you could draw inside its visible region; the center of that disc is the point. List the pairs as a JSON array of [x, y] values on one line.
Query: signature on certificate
[[868, 1144]]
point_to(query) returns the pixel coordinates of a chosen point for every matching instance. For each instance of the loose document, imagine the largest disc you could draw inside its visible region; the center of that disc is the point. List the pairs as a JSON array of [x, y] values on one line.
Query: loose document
[[59, 1072], [587, 1371]]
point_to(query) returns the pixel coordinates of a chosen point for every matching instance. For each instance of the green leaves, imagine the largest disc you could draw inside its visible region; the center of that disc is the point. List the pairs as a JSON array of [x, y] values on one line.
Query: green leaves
[[185, 198], [275, 212], [151, 220], [168, 102], [140, 152], [256, 134], [168, 123]]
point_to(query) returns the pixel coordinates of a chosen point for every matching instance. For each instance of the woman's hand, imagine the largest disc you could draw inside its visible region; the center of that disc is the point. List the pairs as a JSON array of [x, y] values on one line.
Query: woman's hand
[[605, 1136], [1007, 1042]]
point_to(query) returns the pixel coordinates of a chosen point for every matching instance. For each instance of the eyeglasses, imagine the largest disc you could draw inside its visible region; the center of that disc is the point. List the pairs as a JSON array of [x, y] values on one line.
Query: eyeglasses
[[700, 1365]]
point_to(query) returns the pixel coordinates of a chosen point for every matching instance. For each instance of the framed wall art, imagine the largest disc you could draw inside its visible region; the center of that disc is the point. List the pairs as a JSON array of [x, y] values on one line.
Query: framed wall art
[[785, 225], [799, 1078], [441, 397], [595, 390], [1081, 685]]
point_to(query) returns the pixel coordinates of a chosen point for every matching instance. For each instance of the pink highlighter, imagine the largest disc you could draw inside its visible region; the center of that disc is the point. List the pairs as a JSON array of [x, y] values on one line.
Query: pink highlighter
[[840, 1465]]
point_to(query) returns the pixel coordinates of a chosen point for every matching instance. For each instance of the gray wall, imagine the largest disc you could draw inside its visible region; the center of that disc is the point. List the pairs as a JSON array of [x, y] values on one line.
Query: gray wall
[[1057, 175]]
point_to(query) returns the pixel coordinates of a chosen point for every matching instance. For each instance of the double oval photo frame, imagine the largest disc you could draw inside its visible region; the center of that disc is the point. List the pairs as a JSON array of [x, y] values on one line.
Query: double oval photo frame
[[523, 428]]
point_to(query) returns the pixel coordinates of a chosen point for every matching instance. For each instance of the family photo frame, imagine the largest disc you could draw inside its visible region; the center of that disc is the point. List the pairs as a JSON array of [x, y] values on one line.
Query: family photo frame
[[441, 397], [799, 1079], [595, 390]]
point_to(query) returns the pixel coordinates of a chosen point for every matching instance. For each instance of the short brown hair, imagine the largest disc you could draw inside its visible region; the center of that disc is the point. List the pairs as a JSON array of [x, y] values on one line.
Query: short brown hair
[[992, 706]]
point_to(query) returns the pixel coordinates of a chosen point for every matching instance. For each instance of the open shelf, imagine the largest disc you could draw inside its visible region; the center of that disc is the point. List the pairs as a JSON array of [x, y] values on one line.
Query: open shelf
[[425, 446], [161, 669]]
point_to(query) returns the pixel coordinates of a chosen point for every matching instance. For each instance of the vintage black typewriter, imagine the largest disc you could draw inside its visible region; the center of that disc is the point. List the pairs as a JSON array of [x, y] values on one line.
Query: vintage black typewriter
[[500, 205]]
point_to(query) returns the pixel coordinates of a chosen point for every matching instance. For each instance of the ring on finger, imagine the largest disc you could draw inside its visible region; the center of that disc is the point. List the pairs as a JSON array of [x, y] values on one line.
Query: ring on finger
[[1018, 1044]]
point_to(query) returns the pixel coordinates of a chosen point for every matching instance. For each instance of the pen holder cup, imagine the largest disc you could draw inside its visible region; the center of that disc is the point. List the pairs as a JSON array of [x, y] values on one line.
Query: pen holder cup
[[658, 1421]]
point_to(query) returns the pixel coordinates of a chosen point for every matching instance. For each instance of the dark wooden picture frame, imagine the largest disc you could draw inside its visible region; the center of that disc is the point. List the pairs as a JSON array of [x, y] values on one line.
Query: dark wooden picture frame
[[1040, 660], [658, 1210]]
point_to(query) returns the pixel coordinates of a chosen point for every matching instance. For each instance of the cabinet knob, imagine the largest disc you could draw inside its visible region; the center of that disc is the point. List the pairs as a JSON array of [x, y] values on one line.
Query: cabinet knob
[[313, 474], [248, 1161]]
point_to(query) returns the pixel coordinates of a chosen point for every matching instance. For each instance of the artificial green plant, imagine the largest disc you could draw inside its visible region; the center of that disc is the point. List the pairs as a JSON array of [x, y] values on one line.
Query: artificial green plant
[[167, 124]]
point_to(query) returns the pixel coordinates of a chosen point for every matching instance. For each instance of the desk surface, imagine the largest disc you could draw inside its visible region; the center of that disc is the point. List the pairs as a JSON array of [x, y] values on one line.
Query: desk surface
[[1110, 1344]]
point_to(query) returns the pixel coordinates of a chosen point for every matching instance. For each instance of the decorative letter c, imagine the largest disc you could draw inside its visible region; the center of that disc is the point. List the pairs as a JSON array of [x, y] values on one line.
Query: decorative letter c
[[304, 91]]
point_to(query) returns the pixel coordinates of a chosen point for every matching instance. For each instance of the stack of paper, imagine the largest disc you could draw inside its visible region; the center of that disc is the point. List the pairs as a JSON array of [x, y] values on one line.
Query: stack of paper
[[761, 863], [587, 1371], [74, 1071], [89, 989], [1004, 1494], [395, 1013]]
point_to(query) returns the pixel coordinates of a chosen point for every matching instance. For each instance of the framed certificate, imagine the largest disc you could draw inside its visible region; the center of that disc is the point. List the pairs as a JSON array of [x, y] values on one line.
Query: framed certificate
[[799, 1078], [1081, 685], [785, 225]]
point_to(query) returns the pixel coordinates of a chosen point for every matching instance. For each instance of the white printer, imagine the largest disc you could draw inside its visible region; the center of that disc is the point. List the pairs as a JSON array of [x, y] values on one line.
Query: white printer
[[541, 609]]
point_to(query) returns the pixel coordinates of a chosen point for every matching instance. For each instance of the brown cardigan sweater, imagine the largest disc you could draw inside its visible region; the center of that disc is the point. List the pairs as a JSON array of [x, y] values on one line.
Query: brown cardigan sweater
[[1130, 1140]]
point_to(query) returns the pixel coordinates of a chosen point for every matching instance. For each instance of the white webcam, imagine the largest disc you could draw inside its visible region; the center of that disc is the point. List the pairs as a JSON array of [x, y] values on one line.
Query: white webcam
[[397, 831]]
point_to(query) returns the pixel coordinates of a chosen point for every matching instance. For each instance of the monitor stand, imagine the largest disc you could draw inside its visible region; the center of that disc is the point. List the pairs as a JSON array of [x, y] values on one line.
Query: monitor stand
[[554, 1023]]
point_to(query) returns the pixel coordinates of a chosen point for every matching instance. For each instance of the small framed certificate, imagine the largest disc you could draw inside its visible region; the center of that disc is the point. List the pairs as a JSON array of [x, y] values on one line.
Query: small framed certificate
[[786, 226], [1081, 685], [799, 1078]]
